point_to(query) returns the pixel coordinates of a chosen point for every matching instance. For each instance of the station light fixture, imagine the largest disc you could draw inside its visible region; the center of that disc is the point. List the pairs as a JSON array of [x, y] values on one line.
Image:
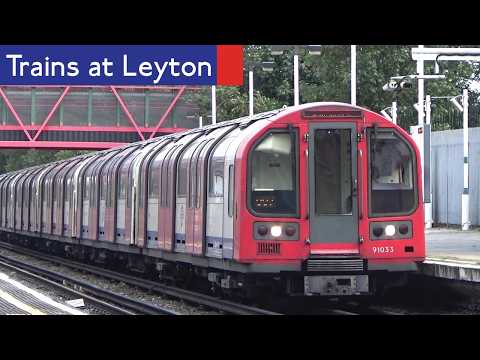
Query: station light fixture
[[398, 83], [315, 49], [267, 66], [279, 49], [276, 50]]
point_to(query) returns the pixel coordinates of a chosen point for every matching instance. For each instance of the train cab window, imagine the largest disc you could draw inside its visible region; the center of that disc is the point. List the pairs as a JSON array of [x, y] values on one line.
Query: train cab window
[[273, 177], [392, 176]]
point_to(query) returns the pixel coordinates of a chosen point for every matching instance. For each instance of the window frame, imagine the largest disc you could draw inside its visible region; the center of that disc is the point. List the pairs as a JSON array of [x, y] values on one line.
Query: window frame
[[295, 171], [214, 165], [414, 208], [231, 189]]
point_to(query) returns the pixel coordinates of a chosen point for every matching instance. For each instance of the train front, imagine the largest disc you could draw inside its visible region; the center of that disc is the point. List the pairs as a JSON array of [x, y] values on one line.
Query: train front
[[333, 201]]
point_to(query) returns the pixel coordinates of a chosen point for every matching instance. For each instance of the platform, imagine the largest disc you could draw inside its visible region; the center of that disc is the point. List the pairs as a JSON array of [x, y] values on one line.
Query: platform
[[19, 299], [452, 254]]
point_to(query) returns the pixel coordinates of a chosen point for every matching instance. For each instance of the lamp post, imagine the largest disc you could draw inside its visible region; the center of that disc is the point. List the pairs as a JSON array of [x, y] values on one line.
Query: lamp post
[[199, 117], [214, 104], [250, 91], [465, 194], [353, 75], [252, 65], [312, 49]]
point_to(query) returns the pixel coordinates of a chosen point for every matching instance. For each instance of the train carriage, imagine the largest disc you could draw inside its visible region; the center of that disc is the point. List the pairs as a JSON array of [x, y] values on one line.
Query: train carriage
[[317, 199]]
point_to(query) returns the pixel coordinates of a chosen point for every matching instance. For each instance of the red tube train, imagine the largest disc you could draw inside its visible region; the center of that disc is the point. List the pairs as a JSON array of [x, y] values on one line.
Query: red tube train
[[317, 199]]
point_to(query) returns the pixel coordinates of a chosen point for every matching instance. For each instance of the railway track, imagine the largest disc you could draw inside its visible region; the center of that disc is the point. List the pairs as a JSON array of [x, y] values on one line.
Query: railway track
[[112, 302], [208, 301]]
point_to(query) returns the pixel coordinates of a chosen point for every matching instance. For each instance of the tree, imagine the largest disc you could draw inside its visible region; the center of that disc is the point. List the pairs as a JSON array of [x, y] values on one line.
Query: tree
[[324, 77], [11, 160]]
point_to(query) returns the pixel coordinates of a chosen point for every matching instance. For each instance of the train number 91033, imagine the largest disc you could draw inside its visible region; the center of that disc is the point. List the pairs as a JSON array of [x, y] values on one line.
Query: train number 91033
[[382, 249]]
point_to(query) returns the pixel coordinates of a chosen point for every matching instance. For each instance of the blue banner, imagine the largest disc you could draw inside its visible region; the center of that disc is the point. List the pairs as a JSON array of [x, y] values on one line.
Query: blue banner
[[108, 65]]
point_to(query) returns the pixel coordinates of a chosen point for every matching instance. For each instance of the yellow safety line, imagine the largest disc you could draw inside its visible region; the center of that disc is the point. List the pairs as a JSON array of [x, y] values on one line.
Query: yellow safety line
[[12, 300]]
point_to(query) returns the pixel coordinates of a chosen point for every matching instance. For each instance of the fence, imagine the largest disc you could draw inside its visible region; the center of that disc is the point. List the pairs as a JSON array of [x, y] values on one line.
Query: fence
[[447, 175], [448, 119]]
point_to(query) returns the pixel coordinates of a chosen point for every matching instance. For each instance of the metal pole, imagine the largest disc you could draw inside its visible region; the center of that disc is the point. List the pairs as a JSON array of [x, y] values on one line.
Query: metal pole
[[214, 104], [427, 172], [421, 94], [428, 109], [353, 75], [394, 112], [421, 102], [296, 90], [250, 92], [200, 121], [465, 195]]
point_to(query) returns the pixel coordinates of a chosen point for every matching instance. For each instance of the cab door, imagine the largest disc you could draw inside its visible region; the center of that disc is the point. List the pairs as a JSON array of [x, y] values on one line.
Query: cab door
[[333, 185]]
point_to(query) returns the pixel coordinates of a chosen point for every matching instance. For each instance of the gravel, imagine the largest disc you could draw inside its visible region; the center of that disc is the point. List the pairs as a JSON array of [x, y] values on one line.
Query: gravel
[[122, 288]]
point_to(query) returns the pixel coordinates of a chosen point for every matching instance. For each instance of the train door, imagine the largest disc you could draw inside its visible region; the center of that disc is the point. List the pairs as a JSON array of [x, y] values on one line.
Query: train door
[[333, 185], [140, 175], [148, 183], [219, 225]]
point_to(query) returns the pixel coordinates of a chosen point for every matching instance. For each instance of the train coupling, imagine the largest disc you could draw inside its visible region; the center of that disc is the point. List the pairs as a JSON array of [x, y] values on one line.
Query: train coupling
[[336, 285]]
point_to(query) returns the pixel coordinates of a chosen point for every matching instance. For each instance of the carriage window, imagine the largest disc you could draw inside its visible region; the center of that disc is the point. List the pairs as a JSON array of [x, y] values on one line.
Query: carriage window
[[86, 188], [122, 193], [231, 182], [273, 188], [216, 178], [153, 183], [182, 178], [392, 189], [103, 188]]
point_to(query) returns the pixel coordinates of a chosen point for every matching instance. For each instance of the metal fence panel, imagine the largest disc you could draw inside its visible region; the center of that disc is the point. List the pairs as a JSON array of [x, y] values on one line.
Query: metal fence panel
[[447, 175]]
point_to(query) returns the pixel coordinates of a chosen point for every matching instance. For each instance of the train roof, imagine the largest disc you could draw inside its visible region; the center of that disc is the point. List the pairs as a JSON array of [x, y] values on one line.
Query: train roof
[[241, 122]]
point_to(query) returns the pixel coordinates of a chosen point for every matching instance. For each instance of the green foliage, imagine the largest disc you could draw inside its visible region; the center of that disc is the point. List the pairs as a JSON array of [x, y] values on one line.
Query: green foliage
[[11, 160], [324, 77]]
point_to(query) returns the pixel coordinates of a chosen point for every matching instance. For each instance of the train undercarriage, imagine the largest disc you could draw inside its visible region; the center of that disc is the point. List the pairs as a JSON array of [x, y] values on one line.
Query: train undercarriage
[[228, 284]]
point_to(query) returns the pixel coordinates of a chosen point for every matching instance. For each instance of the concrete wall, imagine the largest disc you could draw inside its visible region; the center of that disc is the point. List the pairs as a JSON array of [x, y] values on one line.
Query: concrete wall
[[447, 175]]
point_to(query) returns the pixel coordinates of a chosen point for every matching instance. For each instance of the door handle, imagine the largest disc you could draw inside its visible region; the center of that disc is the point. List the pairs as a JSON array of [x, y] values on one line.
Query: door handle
[[355, 188]]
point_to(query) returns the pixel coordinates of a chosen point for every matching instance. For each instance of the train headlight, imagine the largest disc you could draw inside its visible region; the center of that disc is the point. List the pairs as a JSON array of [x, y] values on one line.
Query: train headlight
[[377, 231], [390, 230], [290, 230], [262, 230], [276, 231]]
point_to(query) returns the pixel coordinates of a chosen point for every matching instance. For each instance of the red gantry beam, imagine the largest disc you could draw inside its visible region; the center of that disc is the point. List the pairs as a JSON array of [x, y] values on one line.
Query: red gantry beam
[[24, 134]]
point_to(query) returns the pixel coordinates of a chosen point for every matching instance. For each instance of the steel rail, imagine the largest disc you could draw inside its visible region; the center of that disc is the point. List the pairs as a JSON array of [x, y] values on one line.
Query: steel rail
[[96, 295], [89, 299], [197, 298]]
